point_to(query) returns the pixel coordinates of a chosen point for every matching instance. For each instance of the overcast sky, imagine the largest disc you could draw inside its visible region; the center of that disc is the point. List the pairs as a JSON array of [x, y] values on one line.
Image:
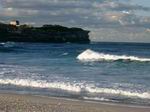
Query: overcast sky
[[108, 20]]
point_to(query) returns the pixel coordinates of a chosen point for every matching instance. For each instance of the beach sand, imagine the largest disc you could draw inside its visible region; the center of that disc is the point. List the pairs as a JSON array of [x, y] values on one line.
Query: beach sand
[[30, 103]]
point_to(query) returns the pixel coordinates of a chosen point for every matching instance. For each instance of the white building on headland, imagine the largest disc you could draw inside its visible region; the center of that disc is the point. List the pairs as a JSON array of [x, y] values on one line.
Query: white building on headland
[[148, 30], [14, 22]]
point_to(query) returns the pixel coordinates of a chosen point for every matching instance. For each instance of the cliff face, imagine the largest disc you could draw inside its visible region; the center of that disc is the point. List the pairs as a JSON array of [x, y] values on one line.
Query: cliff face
[[46, 33]]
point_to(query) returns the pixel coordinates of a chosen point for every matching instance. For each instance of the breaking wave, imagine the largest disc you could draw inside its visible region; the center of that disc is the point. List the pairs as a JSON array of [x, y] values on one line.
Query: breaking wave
[[90, 55], [76, 88]]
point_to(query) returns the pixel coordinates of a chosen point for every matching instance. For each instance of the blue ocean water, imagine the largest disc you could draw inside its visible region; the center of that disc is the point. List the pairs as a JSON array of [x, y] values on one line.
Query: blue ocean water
[[111, 72]]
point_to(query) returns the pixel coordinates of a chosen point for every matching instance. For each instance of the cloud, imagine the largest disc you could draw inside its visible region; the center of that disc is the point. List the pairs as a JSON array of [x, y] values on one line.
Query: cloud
[[79, 12], [46, 4], [119, 6]]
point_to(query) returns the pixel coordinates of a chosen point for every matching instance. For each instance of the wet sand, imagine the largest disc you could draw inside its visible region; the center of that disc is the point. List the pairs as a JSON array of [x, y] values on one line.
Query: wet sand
[[29, 103]]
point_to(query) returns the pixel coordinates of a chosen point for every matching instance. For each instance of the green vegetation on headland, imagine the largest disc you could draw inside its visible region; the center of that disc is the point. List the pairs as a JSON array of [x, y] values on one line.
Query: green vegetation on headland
[[46, 33]]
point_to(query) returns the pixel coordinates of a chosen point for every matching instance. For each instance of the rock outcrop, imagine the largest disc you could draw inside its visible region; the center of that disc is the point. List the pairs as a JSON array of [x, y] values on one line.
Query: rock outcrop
[[46, 33]]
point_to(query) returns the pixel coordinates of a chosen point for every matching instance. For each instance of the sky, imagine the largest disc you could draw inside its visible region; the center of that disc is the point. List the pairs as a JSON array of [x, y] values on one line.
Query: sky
[[108, 20]]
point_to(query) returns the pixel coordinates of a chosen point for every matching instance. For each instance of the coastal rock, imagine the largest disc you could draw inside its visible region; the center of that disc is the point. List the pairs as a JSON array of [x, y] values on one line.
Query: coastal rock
[[46, 33]]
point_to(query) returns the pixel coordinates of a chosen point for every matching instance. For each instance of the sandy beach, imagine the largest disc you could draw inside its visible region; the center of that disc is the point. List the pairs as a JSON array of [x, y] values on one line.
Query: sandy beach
[[30, 103]]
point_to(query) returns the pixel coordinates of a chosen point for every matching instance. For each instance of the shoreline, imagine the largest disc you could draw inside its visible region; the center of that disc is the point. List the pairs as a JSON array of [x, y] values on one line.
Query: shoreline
[[12, 102]]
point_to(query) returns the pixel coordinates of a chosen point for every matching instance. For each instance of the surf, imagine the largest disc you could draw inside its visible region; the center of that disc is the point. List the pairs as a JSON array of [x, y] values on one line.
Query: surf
[[90, 55], [79, 88]]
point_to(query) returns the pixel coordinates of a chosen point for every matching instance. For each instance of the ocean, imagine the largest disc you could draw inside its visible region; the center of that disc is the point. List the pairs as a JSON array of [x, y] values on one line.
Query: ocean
[[108, 72]]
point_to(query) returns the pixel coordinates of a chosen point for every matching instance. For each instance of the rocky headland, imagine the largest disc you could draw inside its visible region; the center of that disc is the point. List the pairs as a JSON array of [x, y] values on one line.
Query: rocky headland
[[46, 33]]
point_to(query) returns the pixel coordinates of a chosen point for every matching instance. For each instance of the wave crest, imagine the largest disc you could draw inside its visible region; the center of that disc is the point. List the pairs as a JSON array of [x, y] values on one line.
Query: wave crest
[[90, 55]]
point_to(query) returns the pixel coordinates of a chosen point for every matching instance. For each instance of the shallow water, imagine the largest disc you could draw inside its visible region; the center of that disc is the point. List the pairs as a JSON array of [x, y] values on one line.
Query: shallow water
[[113, 72]]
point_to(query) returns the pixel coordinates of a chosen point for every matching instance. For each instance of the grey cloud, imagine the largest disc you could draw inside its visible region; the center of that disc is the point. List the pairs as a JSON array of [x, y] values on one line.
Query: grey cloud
[[46, 4], [61, 4], [119, 6]]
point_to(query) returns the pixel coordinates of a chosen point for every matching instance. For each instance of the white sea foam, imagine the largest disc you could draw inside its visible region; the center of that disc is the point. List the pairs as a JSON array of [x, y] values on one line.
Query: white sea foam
[[144, 95], [90, 55], [96, 98], [76, 87], [41, 84]]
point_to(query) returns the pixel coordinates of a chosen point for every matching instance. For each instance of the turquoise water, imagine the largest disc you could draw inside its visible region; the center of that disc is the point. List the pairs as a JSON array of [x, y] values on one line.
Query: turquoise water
[[111, 72]]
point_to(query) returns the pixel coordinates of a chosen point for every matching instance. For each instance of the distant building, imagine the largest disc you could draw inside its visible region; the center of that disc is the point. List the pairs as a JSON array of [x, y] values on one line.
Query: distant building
[[14, 22], [147, 30]]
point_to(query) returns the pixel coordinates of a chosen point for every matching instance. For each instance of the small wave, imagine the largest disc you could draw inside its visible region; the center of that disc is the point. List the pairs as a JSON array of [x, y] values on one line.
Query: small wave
[[90, 55], [3, 43], [65, 54], [7, 44], [76, 88]]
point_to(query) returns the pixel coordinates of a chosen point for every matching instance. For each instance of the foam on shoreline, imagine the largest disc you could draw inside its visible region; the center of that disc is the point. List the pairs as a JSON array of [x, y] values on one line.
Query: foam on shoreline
[[75, 88]]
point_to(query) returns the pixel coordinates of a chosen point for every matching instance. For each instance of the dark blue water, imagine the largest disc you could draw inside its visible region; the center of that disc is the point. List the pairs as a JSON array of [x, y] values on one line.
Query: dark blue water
[[113, 72]]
